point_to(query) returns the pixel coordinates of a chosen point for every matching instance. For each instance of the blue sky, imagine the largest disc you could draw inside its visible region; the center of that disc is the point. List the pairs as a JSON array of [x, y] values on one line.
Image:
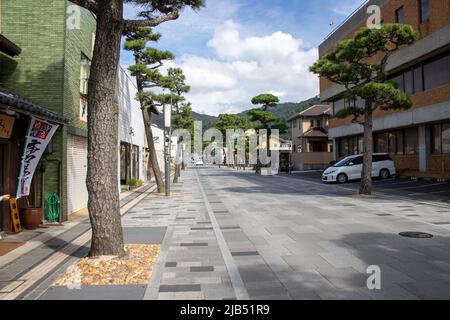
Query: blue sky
[[233, 49]]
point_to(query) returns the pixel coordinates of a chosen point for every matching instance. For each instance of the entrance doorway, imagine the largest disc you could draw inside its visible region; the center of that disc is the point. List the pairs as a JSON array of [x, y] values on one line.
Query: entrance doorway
[[3, 206]]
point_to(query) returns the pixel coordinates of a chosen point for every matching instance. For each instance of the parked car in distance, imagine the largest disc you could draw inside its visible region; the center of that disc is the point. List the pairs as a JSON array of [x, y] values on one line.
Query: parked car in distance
[[350, 168], [199, 163]]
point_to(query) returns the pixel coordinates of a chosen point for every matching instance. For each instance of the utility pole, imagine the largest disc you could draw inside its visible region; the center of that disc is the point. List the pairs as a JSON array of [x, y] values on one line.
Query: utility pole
[[167, 143]]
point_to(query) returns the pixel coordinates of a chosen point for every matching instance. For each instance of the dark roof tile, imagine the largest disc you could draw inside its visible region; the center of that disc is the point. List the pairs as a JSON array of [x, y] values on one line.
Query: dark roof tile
[[21, 104]]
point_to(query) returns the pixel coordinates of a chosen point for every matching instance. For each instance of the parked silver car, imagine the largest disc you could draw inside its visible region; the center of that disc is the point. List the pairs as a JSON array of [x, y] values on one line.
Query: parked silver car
[[350, 168]]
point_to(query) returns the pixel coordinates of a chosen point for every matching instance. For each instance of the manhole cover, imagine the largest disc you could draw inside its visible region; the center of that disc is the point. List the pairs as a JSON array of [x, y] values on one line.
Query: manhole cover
[[417, 235]]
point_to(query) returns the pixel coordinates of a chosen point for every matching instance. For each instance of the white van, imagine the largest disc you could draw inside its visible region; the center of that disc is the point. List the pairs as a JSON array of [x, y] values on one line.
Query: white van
[[350, 168]]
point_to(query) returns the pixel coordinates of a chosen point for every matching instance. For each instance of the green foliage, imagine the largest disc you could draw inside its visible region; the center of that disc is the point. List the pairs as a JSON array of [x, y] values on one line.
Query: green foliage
[[286, 110], [183, 119], [385, 95], [166, 98], [135, 183], [151, 7], [148, 61], [266, 100], [263, 117], [231, 122], [348, 65], [176, 81]]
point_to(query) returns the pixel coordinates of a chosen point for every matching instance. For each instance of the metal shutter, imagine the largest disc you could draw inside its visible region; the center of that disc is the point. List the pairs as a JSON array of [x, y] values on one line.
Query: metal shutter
[[77, 194]]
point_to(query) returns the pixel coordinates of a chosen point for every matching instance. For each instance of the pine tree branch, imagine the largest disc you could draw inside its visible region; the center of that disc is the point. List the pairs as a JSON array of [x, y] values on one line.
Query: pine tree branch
[[129, 24], [90, 5]]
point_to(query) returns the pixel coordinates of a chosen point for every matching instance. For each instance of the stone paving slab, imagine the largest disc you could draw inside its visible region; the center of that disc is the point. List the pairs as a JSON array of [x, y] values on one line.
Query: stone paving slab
[[317, 241], [130, 292], [144, 235]]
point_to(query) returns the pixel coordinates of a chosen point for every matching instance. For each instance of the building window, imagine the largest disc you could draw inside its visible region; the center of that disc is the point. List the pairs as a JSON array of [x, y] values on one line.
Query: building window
[[400, 137], [446, 138], [437, 72], [338, 106], [392, 143], [83, 109], [399, 80], [319, 123], [343, 148], [294, 124], [425, 76], [411, 141], [436, 139], [400, 15], [424, 10], [409, 82], [440, 138], [418, 79], [85, 70], [382, 142], [361, 144]]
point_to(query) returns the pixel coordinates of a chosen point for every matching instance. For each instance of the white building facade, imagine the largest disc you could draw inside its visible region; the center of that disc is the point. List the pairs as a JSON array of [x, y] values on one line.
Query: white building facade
[[133, 153]]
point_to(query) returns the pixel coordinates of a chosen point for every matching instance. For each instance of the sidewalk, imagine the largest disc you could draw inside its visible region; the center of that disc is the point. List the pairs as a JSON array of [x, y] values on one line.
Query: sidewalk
[[26, 272], [235, 235], [191, 264]]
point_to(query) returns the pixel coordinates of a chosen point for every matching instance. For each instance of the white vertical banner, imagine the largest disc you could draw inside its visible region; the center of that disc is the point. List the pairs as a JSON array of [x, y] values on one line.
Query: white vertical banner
[[167, 116], [38, 137]]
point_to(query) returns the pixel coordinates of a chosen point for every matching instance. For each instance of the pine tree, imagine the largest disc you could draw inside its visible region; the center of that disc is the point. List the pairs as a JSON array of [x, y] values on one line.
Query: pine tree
[[147, 62], [102, 173], [182, 112], [352, 66], [263, 119]]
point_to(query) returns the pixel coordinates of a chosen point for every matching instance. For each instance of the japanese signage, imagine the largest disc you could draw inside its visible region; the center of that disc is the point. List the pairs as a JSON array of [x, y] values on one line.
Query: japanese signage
[[6, 126], [39, 135]]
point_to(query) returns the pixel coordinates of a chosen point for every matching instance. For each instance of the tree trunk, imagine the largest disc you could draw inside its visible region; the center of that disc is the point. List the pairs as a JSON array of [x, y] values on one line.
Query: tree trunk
[[103, 111], [365, 187], [153, 157]]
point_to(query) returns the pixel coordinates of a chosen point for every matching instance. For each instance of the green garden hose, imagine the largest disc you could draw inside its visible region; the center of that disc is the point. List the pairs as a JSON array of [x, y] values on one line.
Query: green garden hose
[[52, 207]]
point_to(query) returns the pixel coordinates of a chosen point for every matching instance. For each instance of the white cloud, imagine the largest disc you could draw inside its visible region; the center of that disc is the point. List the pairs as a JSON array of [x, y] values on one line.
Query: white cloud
[[346, 7], [246, 66]]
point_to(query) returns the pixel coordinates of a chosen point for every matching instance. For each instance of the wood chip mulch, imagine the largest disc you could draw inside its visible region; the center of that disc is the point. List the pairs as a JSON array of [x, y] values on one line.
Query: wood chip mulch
[[136, 270]]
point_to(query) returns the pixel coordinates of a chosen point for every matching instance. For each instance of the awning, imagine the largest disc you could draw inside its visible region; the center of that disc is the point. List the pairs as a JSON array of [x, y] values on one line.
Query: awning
[[13, 102], [9, 47], [317, 133]]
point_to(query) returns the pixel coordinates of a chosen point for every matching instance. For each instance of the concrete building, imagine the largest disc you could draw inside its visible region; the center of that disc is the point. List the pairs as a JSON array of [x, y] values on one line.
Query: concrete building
[[312, 148], [133, 141], [417, 139]]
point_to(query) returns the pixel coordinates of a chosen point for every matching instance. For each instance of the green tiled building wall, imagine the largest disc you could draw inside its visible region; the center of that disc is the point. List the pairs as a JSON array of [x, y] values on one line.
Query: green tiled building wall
[[48, 70]]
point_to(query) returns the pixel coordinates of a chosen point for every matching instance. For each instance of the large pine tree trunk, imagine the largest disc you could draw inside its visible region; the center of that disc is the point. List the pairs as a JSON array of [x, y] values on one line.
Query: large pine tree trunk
[[103, 111], [153, 161], [365, 187]]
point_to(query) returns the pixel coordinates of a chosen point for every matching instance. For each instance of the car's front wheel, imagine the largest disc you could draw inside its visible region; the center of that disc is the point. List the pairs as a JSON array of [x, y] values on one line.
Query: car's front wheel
[[342, 178], [385, 174]]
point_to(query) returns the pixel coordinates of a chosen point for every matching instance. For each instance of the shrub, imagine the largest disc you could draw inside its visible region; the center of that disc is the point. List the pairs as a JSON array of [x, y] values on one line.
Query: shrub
[[135, 183]]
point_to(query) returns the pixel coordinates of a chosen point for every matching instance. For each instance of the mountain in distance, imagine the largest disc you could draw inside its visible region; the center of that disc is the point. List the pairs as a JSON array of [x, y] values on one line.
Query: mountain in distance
[[282, 110], [285, 110], [208, 121]]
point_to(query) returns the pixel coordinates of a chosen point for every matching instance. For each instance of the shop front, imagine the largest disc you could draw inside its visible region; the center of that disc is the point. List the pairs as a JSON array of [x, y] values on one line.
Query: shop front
[[26, 134]]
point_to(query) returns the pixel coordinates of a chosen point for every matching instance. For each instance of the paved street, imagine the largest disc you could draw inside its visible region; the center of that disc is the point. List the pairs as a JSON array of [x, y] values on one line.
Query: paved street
[[417, 189], [235, 235], [303, 240]]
